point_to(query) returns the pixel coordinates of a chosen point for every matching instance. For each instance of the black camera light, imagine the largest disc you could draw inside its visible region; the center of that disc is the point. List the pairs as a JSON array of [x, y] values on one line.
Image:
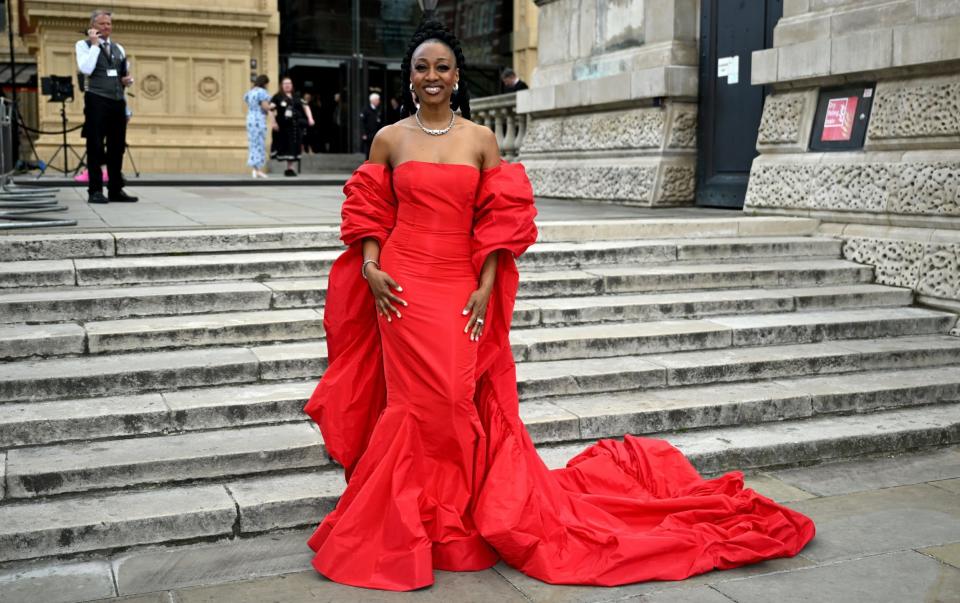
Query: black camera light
[[58, 87]]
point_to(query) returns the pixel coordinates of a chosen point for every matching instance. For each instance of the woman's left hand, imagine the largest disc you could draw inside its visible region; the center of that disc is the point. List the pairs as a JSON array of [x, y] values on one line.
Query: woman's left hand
[[311, 123], [477, 309]]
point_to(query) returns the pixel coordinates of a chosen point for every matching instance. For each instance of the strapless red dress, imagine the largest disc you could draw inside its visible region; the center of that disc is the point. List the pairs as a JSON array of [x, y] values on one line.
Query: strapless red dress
[[441, 473]]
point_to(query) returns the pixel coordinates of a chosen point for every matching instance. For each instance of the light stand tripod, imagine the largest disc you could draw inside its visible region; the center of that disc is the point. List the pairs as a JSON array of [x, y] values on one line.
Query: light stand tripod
[[65, 146]]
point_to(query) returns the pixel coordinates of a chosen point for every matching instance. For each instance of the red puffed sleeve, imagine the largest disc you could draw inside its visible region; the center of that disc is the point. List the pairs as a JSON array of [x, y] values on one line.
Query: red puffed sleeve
[[370, 208], [503, 212], [352, 393]]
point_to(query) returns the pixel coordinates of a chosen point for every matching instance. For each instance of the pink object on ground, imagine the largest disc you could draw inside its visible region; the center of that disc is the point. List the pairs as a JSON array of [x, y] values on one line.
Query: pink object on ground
[[84, 176]]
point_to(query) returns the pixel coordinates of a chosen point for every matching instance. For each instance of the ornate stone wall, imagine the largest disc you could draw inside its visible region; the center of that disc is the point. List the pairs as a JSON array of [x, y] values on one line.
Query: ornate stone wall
[[191, 65], [560, 155], [896, 202]]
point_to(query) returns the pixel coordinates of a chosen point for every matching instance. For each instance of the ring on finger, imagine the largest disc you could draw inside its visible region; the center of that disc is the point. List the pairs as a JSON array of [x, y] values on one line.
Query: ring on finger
[[480, 322]]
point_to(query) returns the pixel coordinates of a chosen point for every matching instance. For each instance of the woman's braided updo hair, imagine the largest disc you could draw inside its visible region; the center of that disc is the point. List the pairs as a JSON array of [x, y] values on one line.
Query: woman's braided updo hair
[[431, 30]]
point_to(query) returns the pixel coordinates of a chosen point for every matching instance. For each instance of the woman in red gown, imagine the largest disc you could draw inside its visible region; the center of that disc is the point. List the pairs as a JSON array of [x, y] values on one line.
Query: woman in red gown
[[419, 401]]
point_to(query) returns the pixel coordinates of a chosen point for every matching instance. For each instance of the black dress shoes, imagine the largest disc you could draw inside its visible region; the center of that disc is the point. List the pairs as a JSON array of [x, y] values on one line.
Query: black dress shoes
[[122, 197], [96, 198], [289, 173]]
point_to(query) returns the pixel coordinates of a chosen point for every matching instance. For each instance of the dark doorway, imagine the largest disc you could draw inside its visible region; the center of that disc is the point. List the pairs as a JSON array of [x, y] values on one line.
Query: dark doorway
[[730, 108]]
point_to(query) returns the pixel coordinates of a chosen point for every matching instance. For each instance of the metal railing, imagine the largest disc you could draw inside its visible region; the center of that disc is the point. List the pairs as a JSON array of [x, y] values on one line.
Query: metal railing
[[499, 113], [19, 204]]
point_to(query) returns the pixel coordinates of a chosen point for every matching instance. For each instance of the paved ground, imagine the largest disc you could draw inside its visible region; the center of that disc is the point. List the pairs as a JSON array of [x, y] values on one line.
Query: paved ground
[[244, 205], [888, 531]]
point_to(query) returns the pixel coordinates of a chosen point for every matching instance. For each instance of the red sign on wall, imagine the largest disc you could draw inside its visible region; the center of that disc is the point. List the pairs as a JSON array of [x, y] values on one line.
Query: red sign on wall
[[838, 122]]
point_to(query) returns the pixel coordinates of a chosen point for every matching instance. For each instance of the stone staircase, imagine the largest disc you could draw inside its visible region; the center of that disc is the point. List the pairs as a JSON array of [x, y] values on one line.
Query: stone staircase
[[152, 383]]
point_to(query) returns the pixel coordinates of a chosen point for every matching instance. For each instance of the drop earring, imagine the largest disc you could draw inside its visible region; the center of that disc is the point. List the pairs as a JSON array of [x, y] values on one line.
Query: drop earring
[[456, 87]]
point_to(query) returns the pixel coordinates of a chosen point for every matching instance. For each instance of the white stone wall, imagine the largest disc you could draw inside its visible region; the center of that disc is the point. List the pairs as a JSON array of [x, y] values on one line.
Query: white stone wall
[[595, 130]]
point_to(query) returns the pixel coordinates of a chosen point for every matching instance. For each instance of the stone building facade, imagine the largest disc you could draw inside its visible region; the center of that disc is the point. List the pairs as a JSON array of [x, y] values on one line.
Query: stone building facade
[[896, 201], [612, 113], [192, 63]]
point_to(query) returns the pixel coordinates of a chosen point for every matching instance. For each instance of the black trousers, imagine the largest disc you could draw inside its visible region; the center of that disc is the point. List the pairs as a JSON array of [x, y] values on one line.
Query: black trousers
[[105, 119]]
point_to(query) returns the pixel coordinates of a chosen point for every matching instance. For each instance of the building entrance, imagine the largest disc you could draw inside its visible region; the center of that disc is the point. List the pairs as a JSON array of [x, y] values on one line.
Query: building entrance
[[730, 107]]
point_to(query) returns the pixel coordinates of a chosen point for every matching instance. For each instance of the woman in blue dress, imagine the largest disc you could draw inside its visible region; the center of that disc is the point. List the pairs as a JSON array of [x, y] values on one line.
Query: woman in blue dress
[[258, 114]]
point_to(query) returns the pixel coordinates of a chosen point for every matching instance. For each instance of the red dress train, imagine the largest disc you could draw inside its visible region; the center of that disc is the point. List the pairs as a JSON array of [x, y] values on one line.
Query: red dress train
[[441, 473]]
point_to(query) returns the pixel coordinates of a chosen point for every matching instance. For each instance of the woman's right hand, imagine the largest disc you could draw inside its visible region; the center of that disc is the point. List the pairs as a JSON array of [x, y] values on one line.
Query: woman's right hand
[[382, 286], [276, 127]]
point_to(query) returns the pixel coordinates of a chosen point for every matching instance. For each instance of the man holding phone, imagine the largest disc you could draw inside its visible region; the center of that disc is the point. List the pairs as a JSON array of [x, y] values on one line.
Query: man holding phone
[[104, 62]]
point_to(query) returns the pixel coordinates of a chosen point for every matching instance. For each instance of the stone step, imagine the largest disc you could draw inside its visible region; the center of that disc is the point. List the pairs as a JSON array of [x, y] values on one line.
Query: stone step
[[622, 339], [140, 372], [694, 276], [234, 328], [84, 304], [659, 251], [104, 521], [58, 246], [81, 466], [37, 423], [241, 450], [537, 380], [111, 375], [105, 303], [820, 439], [737, 225], [23, 341], [260, 265], [697, 304]]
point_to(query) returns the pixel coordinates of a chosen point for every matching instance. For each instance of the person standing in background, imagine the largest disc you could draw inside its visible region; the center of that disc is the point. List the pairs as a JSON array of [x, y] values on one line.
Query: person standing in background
[[336, 131], [104, 63], [511, 81], [258, 114], [291, 114], [371, 122], [393, 110]]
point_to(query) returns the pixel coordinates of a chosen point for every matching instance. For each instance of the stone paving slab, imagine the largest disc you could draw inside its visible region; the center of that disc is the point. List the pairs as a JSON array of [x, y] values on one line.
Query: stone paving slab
[[24, 341], [16, 247], [64, 583], [898, 577], [159, 568], [950, 485], [948, 553], [126, 462], [847, 477], [462, 587], [881, 521], [894, 574]]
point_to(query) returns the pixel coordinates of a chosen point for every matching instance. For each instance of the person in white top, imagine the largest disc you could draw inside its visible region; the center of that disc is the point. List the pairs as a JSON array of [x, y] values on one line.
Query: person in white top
[[104, 62]]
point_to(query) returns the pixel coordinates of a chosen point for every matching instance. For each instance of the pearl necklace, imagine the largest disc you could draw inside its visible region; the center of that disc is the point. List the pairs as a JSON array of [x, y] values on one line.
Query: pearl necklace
[[437, 132]]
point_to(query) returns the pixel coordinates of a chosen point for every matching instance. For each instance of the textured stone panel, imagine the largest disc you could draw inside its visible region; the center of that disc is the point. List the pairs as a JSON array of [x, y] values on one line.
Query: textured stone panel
[[940, 271], [928, 188], [677, 184], [633, 183], [917, 110], [782, 118], [542, 135], [896, 262], [864, 187], [683, 130], [780, 185], [636, 129]]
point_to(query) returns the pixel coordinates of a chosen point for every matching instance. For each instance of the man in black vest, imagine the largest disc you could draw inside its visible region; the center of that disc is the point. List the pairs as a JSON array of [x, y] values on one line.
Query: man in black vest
[[104, 62]]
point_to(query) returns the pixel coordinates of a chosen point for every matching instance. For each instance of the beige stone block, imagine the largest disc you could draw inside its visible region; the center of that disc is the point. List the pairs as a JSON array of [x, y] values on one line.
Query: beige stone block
[[809, 59], [609, 89], [926, 42], [861, 51], [536, 99], [792, 8], [931, 10], [872, 16], [568, 95], [793, 31], [764, 69], [681, 81]]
